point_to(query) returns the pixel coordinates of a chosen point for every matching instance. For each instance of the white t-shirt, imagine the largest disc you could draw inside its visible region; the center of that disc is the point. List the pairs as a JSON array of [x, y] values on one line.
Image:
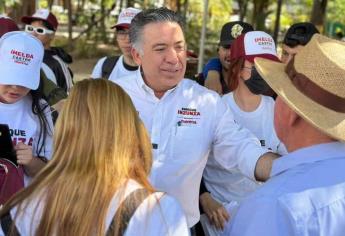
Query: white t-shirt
[[230, 185], [25, 127], [150, 218], [185, 125], [118, 71]]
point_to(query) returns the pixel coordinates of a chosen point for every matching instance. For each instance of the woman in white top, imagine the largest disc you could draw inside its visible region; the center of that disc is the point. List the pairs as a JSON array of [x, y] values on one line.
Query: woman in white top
[[22, 108], [101, 155], [251, 110]]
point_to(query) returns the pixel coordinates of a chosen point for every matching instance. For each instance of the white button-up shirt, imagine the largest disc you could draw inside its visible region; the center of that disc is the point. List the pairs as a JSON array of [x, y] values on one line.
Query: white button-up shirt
[[305, 196], [185, 125]]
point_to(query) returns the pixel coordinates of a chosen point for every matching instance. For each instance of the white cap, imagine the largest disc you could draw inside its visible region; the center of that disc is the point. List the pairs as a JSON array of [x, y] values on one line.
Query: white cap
[[21, 56], [126, 17], [254, 44]]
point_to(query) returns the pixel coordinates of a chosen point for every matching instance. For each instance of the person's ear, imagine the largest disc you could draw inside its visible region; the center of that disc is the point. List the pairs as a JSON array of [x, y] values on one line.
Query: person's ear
[[137, 56], [293, 118]]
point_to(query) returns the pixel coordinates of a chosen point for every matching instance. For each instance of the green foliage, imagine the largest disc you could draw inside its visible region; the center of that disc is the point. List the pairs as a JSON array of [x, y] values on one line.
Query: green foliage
[[336, 10], [218, 14]]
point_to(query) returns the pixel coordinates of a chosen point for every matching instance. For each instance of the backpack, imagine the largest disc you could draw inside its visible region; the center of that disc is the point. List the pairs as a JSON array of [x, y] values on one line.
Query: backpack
[[125, 212], [11, 174], [11, 179], [51, 92], [108, 66]]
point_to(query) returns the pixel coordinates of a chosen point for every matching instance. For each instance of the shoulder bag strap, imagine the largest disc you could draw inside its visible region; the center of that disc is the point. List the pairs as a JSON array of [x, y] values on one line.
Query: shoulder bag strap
[[108, 66], [8, 226], [125, 212]]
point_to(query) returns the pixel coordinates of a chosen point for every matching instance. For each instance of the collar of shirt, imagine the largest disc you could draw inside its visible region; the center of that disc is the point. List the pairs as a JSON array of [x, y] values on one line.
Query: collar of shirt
[[141, 84], [306, 155]]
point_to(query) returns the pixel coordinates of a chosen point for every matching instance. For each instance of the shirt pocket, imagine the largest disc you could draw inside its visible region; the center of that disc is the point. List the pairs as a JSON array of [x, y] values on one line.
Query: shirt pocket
[[187, 144]]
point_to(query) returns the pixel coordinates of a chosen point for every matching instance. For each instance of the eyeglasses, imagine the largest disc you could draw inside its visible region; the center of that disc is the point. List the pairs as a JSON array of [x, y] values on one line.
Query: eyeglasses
[[38, 30], [122, 34]]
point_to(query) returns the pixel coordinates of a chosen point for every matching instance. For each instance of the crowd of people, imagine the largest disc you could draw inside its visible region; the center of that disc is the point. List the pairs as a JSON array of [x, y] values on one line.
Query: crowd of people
[[137, 149]]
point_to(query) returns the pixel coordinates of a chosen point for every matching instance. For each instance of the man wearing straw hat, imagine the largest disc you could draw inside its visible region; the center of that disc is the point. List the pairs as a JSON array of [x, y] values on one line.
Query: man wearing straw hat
[[306, 192]]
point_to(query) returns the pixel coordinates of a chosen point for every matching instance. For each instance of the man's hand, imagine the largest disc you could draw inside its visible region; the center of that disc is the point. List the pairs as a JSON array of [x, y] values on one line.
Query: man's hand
[[58, 106], [212, 81], [216, 213]]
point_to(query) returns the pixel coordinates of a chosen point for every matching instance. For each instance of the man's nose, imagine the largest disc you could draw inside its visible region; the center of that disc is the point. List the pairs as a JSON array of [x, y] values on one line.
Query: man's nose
[[171, 56]]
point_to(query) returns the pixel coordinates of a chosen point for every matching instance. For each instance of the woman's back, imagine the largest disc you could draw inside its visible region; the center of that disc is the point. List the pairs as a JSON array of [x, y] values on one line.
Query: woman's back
[[157, 214]]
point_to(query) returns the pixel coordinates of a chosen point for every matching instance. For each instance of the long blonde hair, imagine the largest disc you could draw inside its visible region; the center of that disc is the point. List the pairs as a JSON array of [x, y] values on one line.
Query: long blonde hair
[[99, 143]]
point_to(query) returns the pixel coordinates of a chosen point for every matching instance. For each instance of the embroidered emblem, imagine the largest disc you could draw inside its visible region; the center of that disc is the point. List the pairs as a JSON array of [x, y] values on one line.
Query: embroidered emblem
[[236, 30]]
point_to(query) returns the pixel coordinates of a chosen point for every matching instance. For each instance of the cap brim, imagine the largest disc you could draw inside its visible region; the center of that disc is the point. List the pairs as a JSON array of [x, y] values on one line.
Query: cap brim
[[29, 19], [225, 42], [266, 56], [20, 77], [120, 26], [328, 121]]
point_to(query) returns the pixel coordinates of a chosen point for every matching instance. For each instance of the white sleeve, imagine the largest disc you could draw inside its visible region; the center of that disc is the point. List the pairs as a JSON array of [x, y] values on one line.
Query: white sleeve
[[97, 70], [153, 218], [234, 145]]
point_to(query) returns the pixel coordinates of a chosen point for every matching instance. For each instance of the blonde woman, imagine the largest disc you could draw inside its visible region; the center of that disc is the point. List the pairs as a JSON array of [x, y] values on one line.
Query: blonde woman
[[102, 155]]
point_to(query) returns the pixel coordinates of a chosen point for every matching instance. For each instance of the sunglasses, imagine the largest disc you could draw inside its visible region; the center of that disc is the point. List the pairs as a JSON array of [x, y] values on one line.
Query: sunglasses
[[38, 30]]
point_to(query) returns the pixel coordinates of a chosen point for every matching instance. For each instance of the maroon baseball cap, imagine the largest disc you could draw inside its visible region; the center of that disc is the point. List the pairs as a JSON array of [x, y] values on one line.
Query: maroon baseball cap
[[44, 15], [125, 18], [7, 25], [254, 44]]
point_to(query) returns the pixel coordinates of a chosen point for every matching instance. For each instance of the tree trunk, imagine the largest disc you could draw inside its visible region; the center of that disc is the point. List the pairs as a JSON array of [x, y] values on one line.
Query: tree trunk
[[243, 6], [103, 16], [260, 13], [28, 7], [277, 23], [318, 13], [130, 3], [185, 7], [50, 4], [70, 29]]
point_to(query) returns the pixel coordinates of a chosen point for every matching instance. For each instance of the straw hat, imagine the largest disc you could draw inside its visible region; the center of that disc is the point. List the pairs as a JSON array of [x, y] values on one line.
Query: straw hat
[[320, 98]]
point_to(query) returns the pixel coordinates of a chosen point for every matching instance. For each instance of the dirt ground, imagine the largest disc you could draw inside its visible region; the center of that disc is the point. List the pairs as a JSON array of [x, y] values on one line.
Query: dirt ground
[[82, 68]]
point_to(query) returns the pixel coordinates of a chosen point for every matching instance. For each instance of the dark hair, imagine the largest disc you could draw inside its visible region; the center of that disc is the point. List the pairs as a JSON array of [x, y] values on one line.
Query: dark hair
[[148, 16], [38, 109], [45, 24], [299, 34], [236, 65]]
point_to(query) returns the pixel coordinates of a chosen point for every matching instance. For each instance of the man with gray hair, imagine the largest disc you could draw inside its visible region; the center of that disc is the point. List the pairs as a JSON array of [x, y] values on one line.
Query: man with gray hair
[[185, 120]]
